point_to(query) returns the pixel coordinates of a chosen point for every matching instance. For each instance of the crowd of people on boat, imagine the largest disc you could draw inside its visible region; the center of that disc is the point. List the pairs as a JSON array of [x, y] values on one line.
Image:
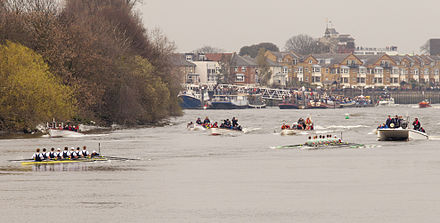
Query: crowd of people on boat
[[399, 122], [72, 154], [69, 127], [302, 124], [323, 140], [226, 124]]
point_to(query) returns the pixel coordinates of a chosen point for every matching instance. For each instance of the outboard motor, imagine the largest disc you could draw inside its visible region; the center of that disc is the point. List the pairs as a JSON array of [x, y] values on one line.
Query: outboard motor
[[404, 124]]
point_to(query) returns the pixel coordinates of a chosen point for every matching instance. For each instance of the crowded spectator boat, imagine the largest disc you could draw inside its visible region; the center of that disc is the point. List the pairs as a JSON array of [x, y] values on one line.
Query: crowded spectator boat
[[55, 130], [397, 129], [321, 105], [386, 102], [298, 127], [229, 102], [193, 98], [256, 101]]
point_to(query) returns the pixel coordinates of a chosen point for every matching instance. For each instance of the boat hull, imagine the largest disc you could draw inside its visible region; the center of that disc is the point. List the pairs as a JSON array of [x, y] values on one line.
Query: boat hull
[[288, 106], [424, 105], [290, 132], [257, 106], [189, 102], [222, 131], [53, 162], [226, 105], [56, 133], [393, 134]]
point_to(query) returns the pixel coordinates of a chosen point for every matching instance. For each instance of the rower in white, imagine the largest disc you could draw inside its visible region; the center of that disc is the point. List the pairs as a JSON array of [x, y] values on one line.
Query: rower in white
[[84, 152], [59, 154], [37, 155]]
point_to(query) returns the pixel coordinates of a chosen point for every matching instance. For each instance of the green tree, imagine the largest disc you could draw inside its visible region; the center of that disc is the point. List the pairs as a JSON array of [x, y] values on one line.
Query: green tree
[[29, 93], [253, 50]]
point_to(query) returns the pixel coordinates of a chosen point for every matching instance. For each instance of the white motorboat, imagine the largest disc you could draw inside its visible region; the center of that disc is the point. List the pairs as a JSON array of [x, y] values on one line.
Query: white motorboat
[[289, 132], [386, 102], [54, 133], [399, 134], [196, 127], [223, 131]]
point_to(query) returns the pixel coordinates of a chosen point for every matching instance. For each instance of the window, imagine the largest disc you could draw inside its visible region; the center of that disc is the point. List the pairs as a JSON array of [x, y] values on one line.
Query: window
[[310, 61], [378, 70], [426, 71], [436, 72], [316, 69], [243, 69], [285, 70], [239, 78], [316, 79], [362, 70], [361, 80], [300, 70], [416, 71], [236, 69]]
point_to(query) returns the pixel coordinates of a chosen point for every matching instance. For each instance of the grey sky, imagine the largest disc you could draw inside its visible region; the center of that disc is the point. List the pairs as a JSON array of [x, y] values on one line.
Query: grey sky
[[231, 24]]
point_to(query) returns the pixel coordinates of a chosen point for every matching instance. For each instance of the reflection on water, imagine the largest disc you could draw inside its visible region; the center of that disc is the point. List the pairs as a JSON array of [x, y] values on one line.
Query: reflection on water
[[64, 167]]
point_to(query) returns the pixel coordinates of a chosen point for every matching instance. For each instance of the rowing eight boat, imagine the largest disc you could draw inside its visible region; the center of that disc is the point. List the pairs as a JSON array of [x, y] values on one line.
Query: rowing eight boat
[[51, 162]]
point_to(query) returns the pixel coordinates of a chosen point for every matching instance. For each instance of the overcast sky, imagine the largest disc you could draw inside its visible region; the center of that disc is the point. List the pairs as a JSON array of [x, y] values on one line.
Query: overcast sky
[[231, 24]]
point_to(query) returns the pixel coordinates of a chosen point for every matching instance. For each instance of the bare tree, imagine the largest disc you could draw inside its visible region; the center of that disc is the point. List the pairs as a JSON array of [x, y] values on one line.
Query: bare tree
[[304, 45], [264, 74], [208, 49]]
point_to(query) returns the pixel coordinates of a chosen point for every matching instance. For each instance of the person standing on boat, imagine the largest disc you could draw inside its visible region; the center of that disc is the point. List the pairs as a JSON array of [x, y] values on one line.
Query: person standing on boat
[[395, 122], [37, 156], [84, 152], [416, 124], [388, 122], [234, 122]]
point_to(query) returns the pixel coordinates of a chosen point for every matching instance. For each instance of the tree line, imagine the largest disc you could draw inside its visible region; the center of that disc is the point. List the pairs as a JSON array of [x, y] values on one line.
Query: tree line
[[87, 59]]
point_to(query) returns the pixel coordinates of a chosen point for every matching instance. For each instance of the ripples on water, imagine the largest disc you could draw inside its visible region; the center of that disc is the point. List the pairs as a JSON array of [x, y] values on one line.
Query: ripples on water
[[192, 176]]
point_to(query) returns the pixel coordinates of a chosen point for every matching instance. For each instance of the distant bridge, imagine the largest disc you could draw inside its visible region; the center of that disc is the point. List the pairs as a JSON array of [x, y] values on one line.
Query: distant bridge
[[266, 93]]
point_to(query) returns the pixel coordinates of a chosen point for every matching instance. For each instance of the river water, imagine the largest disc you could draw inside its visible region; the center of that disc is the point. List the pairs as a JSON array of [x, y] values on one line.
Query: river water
[[191, 176]]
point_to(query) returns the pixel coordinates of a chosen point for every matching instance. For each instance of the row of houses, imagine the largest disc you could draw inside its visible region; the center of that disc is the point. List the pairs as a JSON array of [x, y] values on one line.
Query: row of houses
[[290, 69]]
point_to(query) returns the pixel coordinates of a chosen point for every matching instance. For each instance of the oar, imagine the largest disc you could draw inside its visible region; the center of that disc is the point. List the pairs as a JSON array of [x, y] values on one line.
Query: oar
[[120, 158], [20, 160]]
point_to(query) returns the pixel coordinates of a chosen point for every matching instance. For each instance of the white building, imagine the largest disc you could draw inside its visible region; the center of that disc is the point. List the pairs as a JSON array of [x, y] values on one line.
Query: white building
[[208, 71], [390, 50]]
